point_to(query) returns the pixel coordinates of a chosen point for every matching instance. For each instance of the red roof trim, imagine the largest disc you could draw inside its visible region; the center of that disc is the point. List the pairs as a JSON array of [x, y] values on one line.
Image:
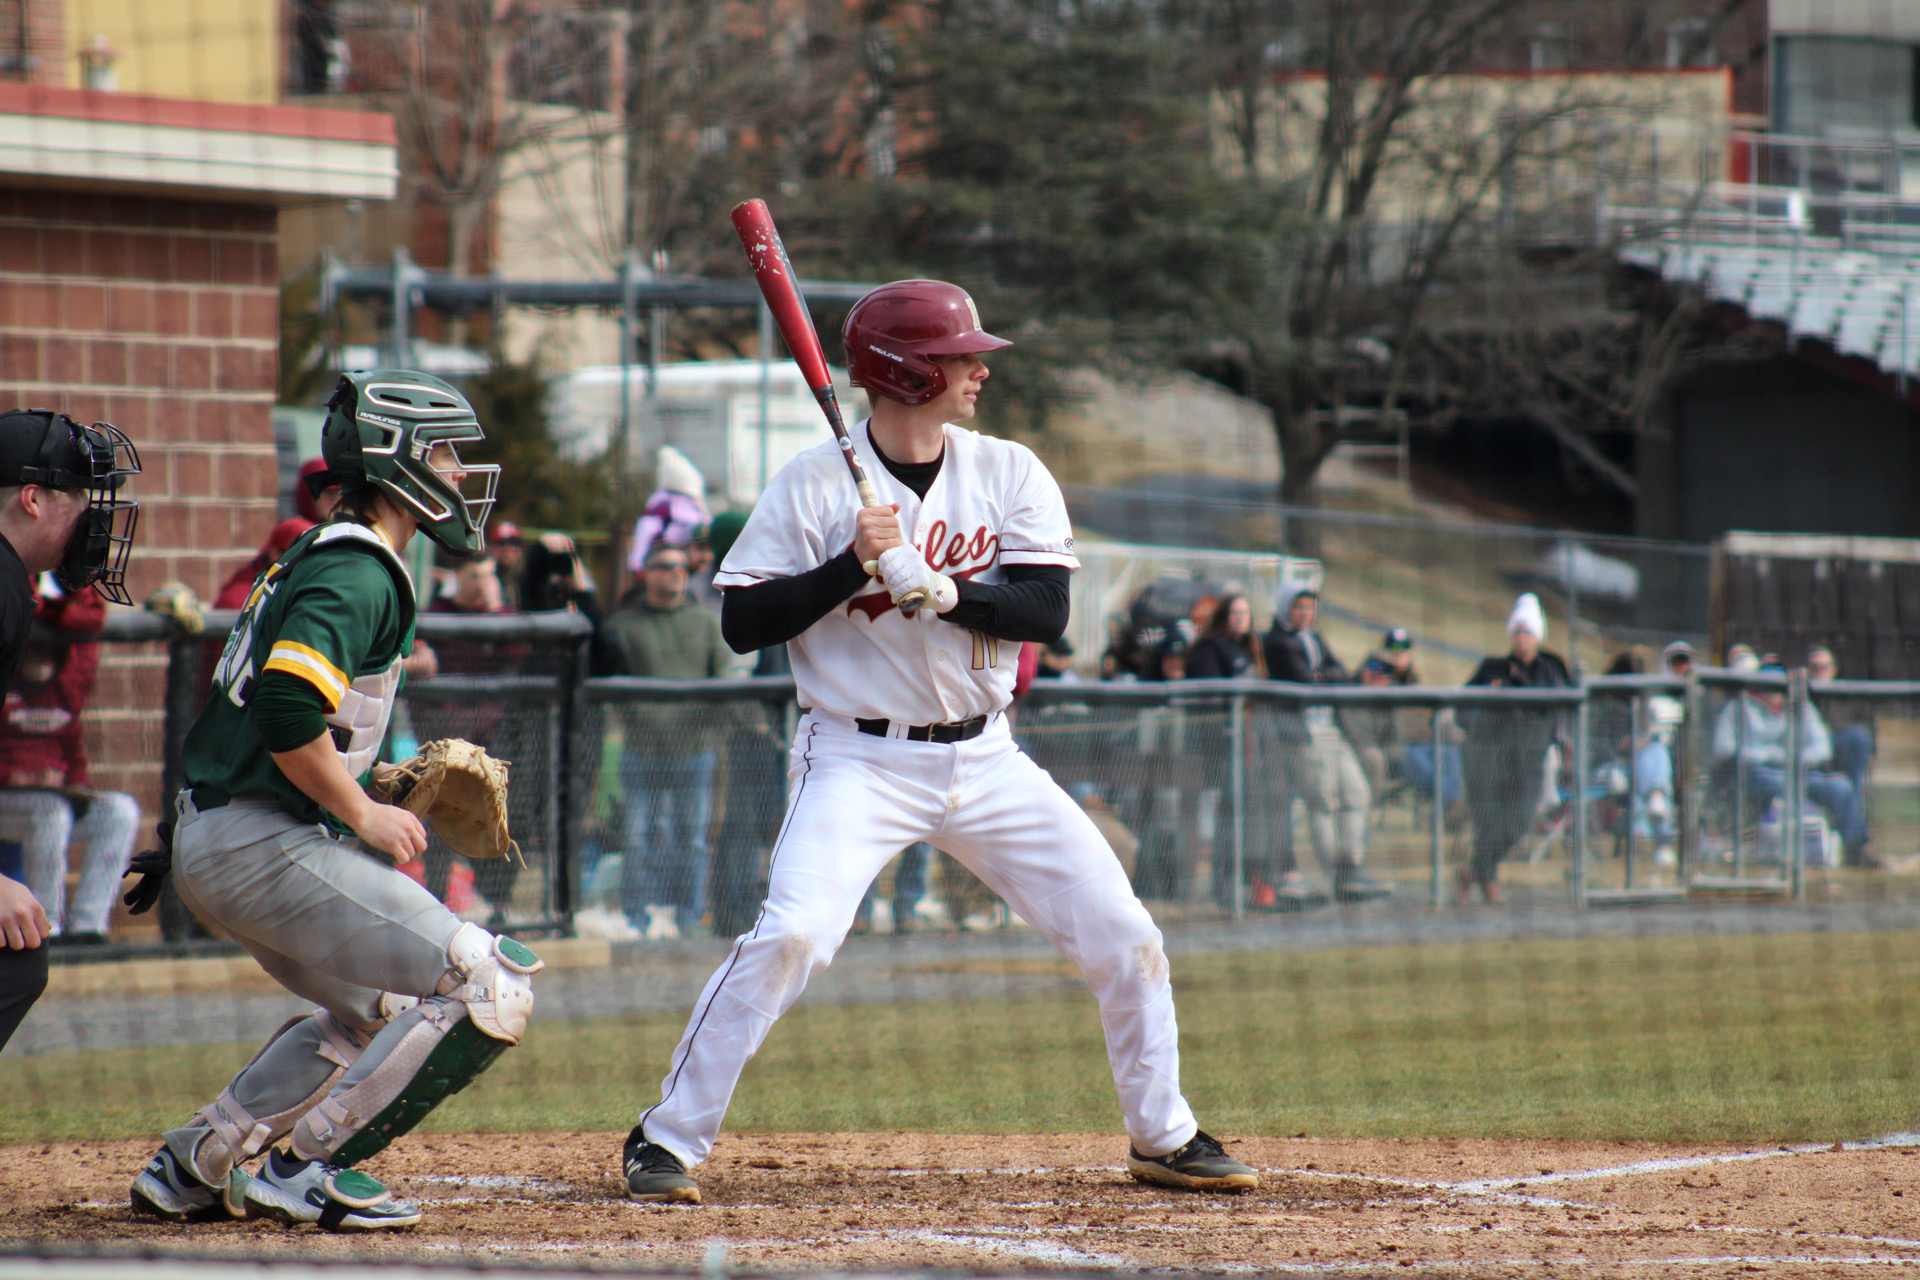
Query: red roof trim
[[187, 113]]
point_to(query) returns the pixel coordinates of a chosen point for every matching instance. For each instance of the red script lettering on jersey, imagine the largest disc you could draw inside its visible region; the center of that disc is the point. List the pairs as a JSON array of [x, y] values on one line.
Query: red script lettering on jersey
[[943, 552]]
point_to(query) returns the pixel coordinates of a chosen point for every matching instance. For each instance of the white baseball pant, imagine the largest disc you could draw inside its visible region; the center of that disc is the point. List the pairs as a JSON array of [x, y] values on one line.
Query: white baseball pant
[[856, 800], [42, 822]]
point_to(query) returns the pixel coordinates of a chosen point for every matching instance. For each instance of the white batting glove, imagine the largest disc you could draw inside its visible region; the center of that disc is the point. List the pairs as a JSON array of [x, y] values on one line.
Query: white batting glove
[[905, 571]]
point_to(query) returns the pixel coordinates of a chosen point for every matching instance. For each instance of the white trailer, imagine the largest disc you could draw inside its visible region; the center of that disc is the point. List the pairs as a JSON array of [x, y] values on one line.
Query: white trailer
[[739, 421]]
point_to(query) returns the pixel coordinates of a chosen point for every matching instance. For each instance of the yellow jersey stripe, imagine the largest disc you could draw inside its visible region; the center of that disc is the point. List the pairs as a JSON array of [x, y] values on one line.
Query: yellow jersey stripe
[[300, 661], [302, 668], [295, 647]]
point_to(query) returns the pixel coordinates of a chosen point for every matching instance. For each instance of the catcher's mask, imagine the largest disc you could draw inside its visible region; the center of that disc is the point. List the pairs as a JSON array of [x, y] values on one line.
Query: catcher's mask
[[402, 431], [892, 334], [42, 447]]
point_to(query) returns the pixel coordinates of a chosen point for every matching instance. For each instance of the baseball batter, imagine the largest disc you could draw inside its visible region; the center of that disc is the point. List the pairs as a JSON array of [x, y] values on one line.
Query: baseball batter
[[904, 735], [278, 841]]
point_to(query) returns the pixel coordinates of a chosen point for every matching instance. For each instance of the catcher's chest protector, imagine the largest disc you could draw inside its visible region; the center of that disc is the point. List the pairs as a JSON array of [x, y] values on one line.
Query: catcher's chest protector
[[358, 725]]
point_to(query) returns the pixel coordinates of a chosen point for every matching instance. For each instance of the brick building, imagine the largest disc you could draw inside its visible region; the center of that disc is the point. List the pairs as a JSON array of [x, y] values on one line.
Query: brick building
[[139, 284]]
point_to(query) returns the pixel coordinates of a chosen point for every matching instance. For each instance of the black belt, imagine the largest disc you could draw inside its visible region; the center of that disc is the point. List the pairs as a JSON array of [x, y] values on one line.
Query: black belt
[[959, 731], [205, 798]]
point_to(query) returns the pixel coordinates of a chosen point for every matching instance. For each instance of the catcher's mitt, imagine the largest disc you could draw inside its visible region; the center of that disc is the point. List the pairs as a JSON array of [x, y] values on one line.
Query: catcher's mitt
[[457, 789]]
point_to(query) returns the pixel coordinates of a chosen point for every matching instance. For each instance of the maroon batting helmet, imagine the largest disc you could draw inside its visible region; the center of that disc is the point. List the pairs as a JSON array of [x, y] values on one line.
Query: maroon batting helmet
[[892, 333]]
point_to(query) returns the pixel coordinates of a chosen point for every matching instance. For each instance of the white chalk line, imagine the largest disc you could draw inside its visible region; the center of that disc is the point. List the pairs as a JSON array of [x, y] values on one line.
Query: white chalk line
[[1682, 1162], [507, 1181], [1031, 1242]]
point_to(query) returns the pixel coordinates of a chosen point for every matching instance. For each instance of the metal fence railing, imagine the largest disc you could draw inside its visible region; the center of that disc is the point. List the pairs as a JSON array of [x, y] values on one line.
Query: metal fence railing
[[648, 808], [505, 681]]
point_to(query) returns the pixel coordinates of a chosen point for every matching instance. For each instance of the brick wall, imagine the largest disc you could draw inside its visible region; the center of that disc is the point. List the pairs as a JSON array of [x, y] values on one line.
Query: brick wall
[[161, 316], [44, 24]]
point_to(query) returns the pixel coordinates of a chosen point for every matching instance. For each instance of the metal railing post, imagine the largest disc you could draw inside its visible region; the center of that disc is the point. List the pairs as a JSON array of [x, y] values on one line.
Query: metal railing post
[[1237, 785], [564, 721], [1436, 855], [1739, 783], [182, 705], [1795, 787], [1582, 721], [1691, 754], [1633, 785], [399, 337]]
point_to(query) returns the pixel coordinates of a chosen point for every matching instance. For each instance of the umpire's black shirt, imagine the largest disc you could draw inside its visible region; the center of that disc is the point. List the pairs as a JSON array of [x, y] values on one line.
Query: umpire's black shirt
[[16, 612]]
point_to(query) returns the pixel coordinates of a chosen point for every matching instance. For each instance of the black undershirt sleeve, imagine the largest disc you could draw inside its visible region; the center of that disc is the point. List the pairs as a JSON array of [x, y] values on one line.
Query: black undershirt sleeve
[[1030, 605], [775, 611], [290, 712]]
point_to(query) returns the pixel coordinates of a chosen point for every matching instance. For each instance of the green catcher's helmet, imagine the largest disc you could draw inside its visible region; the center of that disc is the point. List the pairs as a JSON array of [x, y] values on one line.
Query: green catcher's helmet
[[386, 424]]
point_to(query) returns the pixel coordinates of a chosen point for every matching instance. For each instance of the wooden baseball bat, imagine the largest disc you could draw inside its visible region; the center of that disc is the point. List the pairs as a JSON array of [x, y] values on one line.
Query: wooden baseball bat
[[781, 288]]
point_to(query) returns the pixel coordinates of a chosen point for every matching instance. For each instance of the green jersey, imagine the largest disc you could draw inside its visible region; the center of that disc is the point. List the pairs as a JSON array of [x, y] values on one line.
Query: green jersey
[[336, 611]]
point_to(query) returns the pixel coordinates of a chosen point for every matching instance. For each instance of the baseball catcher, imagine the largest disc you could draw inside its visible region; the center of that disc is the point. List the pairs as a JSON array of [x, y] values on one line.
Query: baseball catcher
[[278, 840]]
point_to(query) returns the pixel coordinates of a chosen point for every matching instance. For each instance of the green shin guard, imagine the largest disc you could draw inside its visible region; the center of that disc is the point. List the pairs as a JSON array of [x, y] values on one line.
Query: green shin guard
[[460, 1056]]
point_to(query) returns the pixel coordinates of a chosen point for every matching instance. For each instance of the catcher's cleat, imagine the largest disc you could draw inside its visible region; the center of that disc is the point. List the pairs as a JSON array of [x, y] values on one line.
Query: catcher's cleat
[[655, 1174], [167, 1191], [1201, 1165], [290, 1190]]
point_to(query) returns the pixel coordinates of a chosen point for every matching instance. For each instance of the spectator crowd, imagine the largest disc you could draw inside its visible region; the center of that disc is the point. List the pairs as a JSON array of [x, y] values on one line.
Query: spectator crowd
[[688, 794]]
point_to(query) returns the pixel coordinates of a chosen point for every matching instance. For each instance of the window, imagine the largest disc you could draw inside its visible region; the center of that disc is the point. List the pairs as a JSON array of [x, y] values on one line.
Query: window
[[1690, 43], [1838, 85], [1552, 47], [320, 61]]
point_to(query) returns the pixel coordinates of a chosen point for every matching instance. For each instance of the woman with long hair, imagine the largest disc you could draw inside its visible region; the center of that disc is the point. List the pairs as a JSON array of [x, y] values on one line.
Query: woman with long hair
[[1228, 645]]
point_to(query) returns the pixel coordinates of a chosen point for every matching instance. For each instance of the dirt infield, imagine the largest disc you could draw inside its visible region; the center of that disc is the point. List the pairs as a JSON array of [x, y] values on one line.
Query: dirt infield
[[831, 1202]]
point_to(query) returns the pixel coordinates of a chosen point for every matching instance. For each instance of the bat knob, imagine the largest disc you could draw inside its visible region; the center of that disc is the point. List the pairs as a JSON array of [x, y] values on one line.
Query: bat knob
[[871, 568]]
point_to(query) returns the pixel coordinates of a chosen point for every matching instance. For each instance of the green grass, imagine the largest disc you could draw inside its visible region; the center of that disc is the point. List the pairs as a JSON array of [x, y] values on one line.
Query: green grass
[[1748, 1038]]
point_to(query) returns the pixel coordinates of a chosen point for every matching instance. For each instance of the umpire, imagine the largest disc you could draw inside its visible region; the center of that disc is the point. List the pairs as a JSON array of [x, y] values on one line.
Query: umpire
[[59, 510]]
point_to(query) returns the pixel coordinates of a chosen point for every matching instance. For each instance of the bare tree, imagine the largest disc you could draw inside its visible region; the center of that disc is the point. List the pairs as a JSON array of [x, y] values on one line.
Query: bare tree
[[465, 79], [1410, 173], [727, 99], [1583, 348]]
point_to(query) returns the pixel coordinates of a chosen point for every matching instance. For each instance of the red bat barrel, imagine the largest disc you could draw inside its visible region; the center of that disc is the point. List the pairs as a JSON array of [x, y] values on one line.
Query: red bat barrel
[[781, 288]]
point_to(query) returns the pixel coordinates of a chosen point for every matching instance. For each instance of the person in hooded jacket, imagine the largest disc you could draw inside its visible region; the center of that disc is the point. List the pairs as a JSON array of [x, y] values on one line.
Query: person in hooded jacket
[[1321, 766], [1505, 752]]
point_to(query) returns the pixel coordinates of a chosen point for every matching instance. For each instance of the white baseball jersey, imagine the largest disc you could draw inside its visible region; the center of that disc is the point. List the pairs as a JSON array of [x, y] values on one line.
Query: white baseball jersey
[[857, 799], [992, 505]]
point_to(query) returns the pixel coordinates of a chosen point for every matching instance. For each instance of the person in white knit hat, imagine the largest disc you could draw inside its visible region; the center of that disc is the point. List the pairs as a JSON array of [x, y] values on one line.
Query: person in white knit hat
[[1506, 750], [675, 509]]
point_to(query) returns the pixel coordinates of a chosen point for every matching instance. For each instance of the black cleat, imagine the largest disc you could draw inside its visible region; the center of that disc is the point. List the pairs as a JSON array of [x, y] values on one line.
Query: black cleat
[[172, 1193], [655, 1174], [1201, 1165]]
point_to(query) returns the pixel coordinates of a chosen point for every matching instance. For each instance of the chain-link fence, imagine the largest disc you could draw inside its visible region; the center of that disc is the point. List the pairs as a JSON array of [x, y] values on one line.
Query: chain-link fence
[[503, 681], [647, 809]]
